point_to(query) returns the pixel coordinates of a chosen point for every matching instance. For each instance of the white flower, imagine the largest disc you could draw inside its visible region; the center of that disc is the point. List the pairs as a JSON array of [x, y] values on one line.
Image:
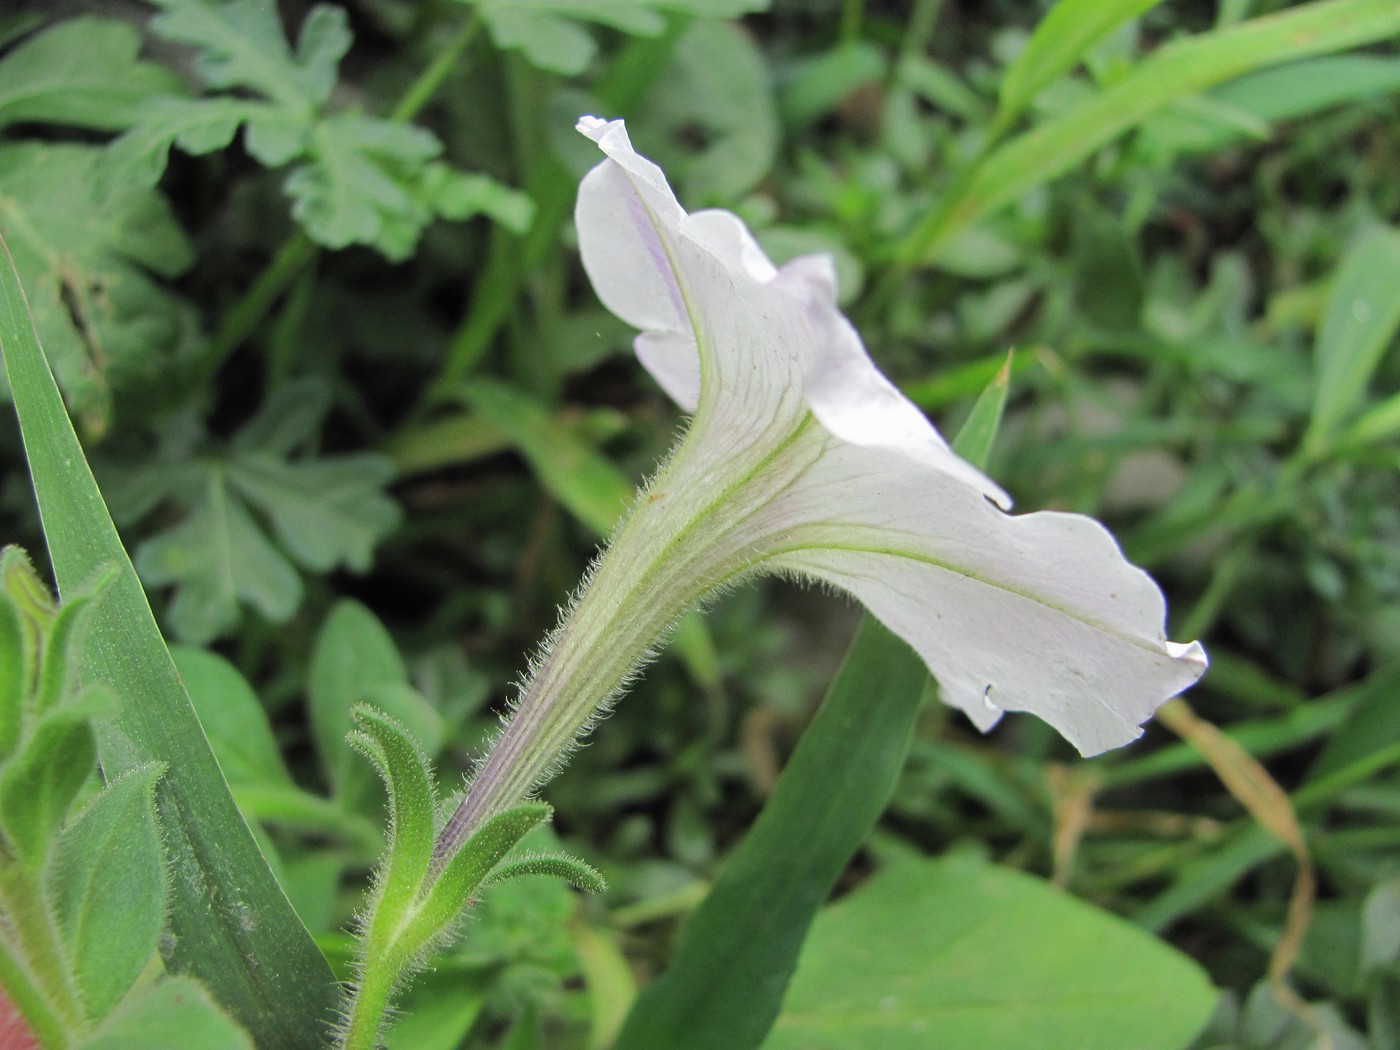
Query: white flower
[[801, 458]]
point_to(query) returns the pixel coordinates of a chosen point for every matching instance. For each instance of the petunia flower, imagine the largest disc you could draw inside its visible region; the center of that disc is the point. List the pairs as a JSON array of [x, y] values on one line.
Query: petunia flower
[[802, 459]]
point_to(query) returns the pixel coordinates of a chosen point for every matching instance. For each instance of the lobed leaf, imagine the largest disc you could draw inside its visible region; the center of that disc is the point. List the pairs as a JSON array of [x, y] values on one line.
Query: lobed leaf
[[87, 258], [241, 45], [83, 72], [547, 34]]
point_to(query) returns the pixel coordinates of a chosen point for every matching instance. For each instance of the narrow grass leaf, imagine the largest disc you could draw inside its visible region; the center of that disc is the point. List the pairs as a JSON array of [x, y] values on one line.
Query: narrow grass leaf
[[1171, 73], [737, 951], [249, 948], [1363, 313], [1059, 42]]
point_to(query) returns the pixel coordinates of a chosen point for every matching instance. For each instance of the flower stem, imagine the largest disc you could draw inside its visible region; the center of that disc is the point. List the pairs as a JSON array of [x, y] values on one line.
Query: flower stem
[[421, 91]]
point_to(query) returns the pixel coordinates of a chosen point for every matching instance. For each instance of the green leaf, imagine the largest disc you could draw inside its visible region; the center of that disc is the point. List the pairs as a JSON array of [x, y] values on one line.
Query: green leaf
[[468, 868], [218, 558], [173, 1014], [1173, 72], [250, 948], [409, 783], [13, 686], [86, 260], [353, 654], [38, 785], [109, 879], [975, 439], [725, 985], [363, 185], [1363, 314], [558, 866], [241, 45], [1060, 40], [326, 512], [197, 126], [233, 719], [82, 73], [960, 953], [545, 31]]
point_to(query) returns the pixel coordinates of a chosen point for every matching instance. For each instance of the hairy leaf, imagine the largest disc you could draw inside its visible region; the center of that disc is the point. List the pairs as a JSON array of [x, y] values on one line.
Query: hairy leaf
[[109, 876]]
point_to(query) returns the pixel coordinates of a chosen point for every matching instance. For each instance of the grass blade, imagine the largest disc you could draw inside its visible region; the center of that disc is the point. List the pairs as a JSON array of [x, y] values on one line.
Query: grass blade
[[1176, 71], [232, 926], [726, 984]]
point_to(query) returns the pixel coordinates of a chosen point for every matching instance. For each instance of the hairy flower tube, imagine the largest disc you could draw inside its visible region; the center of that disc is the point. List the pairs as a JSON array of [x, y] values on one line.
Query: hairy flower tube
[[802, 459]]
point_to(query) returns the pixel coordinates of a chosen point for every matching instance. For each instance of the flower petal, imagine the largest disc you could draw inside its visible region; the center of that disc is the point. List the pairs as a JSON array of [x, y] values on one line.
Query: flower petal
[[1038, 612], [628, 220]]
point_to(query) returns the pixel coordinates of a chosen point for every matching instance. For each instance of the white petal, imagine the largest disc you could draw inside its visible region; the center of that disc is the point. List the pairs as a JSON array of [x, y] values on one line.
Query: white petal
[[628, 221], [674, 363], [1039, 612], [852, 398]]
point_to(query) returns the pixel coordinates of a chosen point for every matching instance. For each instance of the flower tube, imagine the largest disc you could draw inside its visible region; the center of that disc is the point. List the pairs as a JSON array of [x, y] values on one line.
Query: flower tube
[[802, 459]]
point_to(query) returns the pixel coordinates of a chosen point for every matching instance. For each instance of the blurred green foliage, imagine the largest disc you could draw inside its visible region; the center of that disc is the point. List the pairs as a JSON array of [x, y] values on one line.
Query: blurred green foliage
[[305, 277]]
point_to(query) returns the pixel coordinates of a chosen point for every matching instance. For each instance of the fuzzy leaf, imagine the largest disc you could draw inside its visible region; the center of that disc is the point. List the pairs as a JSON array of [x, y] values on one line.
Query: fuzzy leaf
[[174, 1014], [82, 73], [109, 877], [469, 867], [38, 786], [409, 783], [13, 686], [86, 262], [575, 872]]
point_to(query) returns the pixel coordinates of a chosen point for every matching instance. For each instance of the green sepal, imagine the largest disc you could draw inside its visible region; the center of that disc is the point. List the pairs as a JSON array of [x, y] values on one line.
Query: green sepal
[[38, 785], [60, 649], [12, 680], [468, 868], [575, 872], [404, 770], [974, 440], [109, 882], [32, 602]]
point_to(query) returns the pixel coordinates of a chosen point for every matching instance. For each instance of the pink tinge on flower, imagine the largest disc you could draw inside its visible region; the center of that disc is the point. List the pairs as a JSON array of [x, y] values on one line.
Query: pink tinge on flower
[[830, 473]]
